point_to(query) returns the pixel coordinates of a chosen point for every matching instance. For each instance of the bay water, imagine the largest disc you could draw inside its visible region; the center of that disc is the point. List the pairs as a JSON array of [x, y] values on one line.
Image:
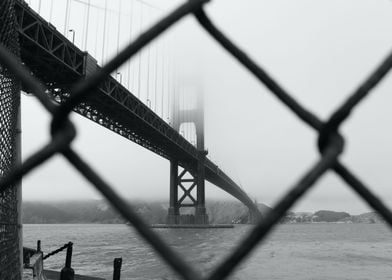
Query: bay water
[[291, 251]]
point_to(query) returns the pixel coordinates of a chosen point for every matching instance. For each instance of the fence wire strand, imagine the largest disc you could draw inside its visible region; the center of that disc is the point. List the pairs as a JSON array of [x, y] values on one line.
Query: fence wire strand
[[330, 142], [9, 134]]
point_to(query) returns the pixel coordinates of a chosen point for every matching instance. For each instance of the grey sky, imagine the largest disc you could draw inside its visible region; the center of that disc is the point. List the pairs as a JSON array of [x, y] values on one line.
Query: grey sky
[[318, 50]]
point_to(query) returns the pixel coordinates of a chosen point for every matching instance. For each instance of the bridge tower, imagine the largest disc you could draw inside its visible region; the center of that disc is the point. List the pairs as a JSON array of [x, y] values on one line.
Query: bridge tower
[[189, 111]]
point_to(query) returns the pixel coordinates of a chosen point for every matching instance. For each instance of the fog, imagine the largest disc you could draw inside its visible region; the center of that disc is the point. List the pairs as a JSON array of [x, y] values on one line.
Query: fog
[[319, 51]]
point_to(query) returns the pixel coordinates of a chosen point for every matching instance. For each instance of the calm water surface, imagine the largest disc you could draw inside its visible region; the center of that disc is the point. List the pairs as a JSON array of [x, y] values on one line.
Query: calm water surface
[[295, 251]]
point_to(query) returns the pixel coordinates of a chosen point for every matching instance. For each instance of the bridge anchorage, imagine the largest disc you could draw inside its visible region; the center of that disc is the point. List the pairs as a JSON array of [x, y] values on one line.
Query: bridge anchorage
[[191, 182]]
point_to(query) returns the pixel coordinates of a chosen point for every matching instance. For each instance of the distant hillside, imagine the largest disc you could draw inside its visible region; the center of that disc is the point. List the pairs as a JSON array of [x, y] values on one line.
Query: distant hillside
[[44, 213], [326, 216], [69, 212], [227, 212], [220, 212], [329, 216], [369, 218]]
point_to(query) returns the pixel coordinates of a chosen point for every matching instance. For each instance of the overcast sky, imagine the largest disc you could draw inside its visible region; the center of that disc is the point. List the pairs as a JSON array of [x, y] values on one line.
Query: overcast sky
[[318, 50]]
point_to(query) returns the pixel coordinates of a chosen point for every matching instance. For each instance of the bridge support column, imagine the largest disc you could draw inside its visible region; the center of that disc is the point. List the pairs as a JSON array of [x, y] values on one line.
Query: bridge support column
[[254, 217], [201, 216], [186, 181], [189, 181], [173, 215]]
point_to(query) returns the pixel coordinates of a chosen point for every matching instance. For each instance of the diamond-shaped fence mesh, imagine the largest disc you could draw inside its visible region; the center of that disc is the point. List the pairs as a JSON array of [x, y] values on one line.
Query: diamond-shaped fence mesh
[[330, 143], [9, 107]]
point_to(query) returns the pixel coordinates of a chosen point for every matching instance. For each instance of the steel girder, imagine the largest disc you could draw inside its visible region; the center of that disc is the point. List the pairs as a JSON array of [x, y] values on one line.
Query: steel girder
[[49, 54], [58, 63]]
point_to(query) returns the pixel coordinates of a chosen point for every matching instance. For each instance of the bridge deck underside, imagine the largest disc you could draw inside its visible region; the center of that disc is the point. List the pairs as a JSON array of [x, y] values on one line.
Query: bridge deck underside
[[57, 63]]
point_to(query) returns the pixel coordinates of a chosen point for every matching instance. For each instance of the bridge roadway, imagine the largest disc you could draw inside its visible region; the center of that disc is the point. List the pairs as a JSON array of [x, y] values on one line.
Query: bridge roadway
[[58, 63]]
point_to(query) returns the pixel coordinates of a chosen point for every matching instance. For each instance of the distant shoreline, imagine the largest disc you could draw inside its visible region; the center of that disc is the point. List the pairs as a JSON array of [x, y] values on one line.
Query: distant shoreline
[[219, 212]]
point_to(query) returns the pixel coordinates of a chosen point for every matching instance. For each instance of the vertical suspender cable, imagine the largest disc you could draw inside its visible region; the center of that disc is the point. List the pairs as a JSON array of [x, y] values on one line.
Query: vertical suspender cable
[[51, 11], [178, 111], [162, 79], [84, 25], [182, 111], [130, 39], [176, 98], [168, 98], [39, 7], [87, 24], [118, 28], [169, 93], [140, 54], [178, 90], [148, 73], [96, 36], [187, 115], [169, 85], [104, 31], [148, 63], [66, 17], [156, 77], [174, 101]]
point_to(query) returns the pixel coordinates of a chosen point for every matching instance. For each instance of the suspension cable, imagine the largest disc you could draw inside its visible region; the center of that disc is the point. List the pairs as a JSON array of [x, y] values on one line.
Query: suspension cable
[[140, 55], [87, 24], [66, 22], [148, 72], [175, 99], [96, 39], [125, 14], [130, 39], [156, 77], [51, 11], [187, 114], [104, 32], [148, 63], [118, 29], [162, 79], [182, 110], [169, 87], [84, 27]]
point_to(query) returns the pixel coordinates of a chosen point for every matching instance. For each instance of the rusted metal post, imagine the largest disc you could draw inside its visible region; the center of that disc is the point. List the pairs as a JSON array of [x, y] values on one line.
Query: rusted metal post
[[117, 268], [67, 273], [38, 246]]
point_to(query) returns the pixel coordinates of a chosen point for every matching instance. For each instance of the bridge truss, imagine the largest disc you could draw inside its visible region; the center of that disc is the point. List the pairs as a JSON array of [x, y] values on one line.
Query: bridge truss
[[60, 64]]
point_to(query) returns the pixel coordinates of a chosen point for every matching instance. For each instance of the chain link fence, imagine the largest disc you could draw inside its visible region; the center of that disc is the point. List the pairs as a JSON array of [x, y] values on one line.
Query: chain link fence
[[330, 142], [9, 110]]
